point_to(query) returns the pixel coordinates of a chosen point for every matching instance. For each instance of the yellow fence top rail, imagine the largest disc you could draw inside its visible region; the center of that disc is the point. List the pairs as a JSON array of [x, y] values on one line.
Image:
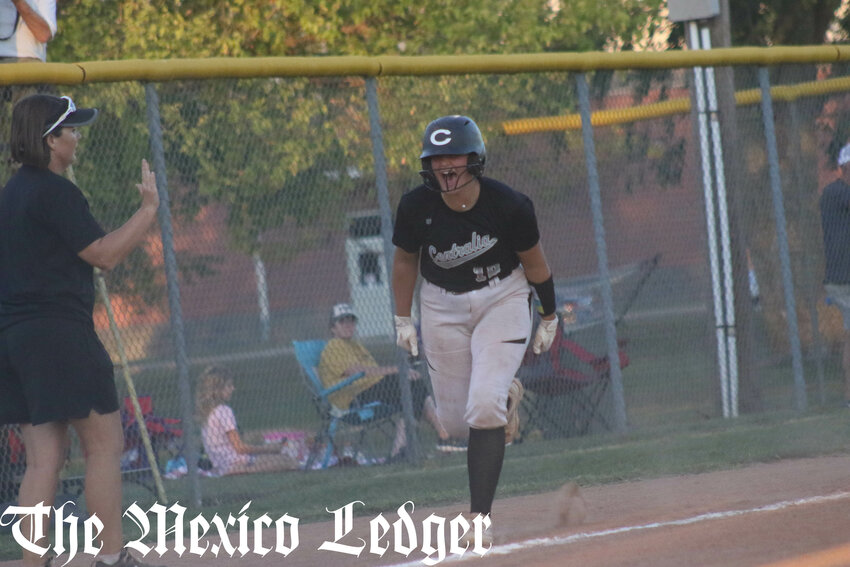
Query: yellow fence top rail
[[221, 67], [611, 116]]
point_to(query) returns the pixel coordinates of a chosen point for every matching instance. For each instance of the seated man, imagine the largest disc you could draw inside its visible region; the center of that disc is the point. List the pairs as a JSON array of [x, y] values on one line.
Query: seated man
[[344, 356]]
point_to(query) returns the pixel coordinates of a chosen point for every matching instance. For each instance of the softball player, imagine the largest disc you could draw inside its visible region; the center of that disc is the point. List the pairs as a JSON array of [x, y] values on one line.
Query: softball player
[[476, 243]]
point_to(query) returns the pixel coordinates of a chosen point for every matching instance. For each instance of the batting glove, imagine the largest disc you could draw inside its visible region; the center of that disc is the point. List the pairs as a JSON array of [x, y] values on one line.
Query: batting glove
[[545, 335], [405, 335]]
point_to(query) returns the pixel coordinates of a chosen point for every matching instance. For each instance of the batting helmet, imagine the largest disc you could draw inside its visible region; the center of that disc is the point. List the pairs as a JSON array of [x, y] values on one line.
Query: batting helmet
[[452, 135]]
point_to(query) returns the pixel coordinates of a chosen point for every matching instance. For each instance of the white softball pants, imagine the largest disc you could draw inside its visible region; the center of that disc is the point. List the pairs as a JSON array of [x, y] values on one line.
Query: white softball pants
[[474, 343]]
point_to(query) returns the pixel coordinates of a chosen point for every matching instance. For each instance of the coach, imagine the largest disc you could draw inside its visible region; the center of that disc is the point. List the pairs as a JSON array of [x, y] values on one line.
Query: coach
[[54, 372]]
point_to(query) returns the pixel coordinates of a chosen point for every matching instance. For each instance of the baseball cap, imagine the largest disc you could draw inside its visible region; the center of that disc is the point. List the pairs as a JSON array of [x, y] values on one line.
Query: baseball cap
[[340, 311], [66, 114], [844, 155]]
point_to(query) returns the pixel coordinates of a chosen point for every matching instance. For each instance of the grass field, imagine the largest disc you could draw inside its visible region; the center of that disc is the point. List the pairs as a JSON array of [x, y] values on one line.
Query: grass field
[[674, 428], [529, 468]]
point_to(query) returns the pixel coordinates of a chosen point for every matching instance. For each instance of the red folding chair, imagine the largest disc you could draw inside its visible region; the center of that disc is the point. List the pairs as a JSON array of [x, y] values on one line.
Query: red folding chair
[[12, 462], [565, 388], [165, 433]]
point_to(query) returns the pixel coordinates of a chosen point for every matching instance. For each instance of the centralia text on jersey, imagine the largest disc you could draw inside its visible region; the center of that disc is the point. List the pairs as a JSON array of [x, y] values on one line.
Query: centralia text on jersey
[[457, 255]]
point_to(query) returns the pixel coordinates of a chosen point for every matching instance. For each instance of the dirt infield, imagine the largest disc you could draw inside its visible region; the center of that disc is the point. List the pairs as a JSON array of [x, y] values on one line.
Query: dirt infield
[[794, 512]]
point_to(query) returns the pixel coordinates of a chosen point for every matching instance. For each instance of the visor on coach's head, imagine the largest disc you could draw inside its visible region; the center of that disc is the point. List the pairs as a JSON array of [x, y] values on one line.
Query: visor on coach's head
[[844, 155], [67, 115], [341, 311], [80, 117]]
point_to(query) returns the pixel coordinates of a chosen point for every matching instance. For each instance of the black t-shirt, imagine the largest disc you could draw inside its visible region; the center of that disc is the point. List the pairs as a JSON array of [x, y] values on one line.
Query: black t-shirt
[[44, 222], [462, 251], [835, 220]]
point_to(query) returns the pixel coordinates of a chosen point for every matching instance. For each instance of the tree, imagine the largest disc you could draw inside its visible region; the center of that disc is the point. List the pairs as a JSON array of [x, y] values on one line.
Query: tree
[[783, 22], [243, 142], [780, 22], [93, 29]]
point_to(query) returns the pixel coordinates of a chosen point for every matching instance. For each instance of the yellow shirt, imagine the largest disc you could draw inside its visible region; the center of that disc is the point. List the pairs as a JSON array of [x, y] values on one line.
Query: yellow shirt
[[338, 356]]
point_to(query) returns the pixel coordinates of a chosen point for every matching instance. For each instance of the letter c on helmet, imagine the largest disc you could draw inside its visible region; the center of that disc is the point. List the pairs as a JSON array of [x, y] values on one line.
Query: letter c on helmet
[[441, 141]]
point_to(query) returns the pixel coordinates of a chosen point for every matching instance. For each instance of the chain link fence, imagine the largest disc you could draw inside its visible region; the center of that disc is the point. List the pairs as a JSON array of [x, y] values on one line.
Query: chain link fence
[[276, 211]]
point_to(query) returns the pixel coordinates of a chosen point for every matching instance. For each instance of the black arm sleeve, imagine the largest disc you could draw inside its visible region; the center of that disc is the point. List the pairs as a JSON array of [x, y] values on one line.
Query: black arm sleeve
[[546, 295]]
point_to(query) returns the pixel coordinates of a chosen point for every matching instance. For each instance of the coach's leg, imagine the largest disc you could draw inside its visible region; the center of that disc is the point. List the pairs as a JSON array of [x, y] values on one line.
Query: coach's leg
[[46, 446], [102, 441]]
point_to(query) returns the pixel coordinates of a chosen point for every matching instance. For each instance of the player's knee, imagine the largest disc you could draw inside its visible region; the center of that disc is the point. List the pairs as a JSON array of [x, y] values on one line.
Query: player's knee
[[458, 430], [486, 413], [454, 423]]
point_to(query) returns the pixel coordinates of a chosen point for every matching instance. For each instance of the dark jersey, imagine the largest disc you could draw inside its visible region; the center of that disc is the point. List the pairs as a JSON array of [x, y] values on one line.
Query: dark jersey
[[462, 251], [44, 222], [835, 219]]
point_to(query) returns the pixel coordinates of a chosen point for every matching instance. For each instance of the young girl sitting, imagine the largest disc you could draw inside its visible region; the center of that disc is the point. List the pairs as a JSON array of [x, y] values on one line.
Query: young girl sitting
[[224, 446]]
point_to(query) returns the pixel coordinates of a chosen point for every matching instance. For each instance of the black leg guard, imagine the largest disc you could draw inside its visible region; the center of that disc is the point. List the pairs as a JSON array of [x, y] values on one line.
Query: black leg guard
[[484, 458]]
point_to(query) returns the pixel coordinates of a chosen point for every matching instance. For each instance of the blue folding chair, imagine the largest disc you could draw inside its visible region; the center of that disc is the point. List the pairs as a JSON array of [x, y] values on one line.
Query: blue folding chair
[[374, 415]]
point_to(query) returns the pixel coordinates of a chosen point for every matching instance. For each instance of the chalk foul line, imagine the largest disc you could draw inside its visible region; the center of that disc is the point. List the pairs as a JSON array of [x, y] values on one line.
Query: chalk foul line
[[538, 543]]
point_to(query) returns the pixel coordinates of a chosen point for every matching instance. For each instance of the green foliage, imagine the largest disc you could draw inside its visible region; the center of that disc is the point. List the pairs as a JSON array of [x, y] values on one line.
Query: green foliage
[[273, 150], [806, 131], [782, 22], [295, 152], [94, 29]]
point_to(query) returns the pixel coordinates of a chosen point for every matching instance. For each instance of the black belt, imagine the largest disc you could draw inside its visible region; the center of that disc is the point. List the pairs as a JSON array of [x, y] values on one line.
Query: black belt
[[492, 282]]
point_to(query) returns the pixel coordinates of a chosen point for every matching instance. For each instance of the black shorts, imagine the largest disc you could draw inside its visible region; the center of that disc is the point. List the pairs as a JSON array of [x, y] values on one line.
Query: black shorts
[[54, 369]]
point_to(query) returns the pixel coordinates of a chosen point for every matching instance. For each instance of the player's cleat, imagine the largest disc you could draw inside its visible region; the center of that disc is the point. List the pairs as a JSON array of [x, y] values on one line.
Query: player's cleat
[[124, 560], [515, 394], [452, 445], [467, 540]]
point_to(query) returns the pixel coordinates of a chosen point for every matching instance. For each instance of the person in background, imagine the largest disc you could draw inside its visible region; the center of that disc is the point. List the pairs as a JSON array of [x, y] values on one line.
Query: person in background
[[835, 221], [54, 372], [224, 446], [25, 28], [344, 356]]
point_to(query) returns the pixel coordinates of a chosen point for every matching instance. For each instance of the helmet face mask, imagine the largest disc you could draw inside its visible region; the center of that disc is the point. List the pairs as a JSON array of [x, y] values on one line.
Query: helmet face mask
[[452, 135]]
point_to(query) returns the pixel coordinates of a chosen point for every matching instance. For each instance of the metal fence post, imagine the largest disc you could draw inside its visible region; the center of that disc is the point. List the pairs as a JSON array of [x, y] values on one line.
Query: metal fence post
[[413, 449], [810, 279], [602, 255], [173, 287], [782, 238]]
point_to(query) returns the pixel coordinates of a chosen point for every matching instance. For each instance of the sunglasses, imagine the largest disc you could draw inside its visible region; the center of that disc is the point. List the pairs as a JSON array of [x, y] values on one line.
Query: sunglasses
[[71, 108]]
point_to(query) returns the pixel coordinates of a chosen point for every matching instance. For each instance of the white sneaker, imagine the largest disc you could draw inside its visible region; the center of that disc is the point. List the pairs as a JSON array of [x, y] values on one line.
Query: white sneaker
[[452, 445], [468, 542]]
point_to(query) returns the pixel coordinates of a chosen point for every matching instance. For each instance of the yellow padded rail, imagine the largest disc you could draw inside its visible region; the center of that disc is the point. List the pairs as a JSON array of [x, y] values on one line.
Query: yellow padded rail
[[223, 67], [608, 117]]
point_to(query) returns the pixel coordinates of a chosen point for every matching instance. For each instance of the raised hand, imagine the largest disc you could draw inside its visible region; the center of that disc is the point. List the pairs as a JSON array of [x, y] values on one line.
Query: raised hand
[[147, 188]]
